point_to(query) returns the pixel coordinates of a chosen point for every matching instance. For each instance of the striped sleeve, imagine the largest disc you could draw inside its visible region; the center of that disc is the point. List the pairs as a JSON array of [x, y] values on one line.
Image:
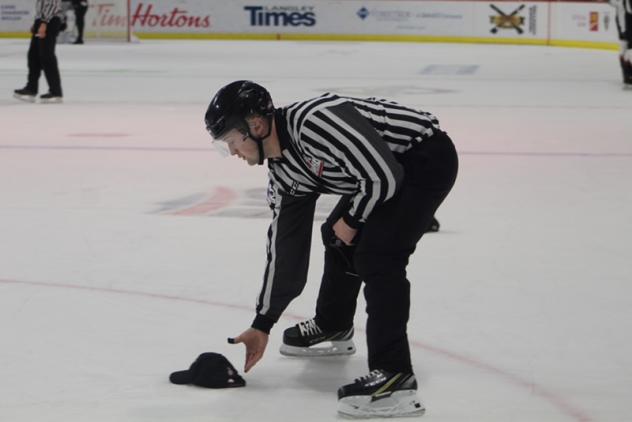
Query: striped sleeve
[[350, 140], [288, 249], [49, 9]]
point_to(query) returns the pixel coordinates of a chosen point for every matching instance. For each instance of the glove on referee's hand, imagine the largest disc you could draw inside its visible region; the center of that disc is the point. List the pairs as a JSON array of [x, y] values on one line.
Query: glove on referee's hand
[[256, 342]]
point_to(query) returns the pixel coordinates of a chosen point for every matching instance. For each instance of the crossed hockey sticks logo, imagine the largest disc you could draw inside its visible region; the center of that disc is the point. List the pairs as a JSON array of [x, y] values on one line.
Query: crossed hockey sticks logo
[[507, 21]]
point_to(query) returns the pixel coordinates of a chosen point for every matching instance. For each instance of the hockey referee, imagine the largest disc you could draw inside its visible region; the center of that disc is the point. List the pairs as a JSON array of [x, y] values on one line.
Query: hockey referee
[[392, 166], [41, 54], [624, 28]]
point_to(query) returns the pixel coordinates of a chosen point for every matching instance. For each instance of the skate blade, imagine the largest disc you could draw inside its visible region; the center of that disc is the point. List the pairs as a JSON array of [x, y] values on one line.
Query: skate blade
[[337, 348], [401, 404], [26, 98], [55, 100]]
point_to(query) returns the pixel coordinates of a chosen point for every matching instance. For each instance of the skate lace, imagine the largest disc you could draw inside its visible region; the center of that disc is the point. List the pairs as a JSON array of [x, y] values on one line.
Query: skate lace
[[373, 374], [309, 328]]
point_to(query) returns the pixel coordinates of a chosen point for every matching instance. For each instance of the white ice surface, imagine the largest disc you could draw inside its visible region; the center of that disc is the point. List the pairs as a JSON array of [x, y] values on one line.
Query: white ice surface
[[116, 267]]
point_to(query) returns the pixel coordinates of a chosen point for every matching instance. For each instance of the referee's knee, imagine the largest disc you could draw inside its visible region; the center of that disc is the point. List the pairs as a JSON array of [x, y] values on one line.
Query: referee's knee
[[374, 266]]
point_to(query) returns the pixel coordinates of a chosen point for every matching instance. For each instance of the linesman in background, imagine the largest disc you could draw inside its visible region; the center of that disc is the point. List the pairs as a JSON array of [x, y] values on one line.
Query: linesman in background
[[41, 54], [80, 7], [392, 166], [624, 26]]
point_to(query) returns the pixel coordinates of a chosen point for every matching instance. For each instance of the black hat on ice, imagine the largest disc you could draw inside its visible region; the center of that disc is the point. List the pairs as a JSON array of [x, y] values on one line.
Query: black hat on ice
[[210, 370]]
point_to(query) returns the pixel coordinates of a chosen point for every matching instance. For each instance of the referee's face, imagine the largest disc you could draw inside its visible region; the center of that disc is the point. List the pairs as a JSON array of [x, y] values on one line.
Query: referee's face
[[245, 148]]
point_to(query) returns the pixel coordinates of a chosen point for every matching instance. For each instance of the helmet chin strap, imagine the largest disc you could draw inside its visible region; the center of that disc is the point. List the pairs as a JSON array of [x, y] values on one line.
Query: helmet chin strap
[[259, 140], [260, 148]]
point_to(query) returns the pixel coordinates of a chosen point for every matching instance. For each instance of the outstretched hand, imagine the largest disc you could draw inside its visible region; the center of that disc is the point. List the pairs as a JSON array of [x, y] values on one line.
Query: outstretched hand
[[255, 342]]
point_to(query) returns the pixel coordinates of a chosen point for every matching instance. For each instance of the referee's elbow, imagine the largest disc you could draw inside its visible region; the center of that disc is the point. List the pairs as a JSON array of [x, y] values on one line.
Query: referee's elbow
[[398, 176]]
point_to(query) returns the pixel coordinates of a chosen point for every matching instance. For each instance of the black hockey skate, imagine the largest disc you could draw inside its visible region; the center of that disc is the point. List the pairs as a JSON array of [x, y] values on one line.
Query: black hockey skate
[[380, 394], [50, 98], [626, 70], [25, 94], [306, 339]]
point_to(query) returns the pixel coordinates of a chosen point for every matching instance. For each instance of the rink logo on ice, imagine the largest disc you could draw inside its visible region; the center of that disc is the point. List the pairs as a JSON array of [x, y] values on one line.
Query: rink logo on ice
[[226, 202], [281, 15], [144, 16], [448, 69], [207, 203], [507, 21]]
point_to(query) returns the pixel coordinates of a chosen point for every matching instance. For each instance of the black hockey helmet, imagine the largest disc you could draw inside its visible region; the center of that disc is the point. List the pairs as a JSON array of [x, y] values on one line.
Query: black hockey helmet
[[233, 103]]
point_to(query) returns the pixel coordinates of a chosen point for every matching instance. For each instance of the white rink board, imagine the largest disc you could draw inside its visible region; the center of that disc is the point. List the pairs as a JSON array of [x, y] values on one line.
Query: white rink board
[[526, 22]]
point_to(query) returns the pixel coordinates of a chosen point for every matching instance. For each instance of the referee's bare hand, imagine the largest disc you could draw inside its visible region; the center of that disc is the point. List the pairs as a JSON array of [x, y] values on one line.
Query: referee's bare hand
[[344, 232], [41, 31], [256, 342]]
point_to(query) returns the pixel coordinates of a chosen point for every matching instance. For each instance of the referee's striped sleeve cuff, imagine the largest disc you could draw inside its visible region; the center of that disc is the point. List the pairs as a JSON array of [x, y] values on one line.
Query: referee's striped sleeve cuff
[[263, 323]]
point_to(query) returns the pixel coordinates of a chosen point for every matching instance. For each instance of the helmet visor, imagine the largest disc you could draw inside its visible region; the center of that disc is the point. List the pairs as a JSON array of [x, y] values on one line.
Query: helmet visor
[[226, 142]]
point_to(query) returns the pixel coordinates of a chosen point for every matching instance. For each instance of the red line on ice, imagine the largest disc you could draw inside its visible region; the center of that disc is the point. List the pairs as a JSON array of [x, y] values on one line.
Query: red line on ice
[[552, 398]]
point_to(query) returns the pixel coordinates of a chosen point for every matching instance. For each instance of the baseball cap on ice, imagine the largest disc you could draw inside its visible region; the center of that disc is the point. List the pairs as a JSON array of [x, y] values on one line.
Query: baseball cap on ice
[[210, 370]]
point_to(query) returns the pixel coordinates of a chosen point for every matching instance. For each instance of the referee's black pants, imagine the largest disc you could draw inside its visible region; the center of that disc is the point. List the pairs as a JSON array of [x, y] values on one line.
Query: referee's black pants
[[380, 255], [41, 56]]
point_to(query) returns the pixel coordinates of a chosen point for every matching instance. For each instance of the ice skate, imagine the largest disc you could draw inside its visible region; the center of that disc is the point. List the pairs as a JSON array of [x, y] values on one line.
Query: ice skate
[[25, 94], [307, 339], [50, 98], [380, 394], [434, 226], [626, 70]]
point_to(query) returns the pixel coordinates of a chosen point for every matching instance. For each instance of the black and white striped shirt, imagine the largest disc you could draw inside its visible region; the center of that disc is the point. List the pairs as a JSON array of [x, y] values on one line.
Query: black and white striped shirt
[[623, 19], [330, 145], [45, 10]]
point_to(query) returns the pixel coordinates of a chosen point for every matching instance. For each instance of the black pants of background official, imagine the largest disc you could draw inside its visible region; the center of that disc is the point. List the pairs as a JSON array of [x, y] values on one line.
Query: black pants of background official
[[80, 14], [41, 56], [380, 255]]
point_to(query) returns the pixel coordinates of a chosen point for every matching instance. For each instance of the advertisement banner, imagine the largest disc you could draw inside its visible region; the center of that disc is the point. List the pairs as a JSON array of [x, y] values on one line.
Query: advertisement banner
[[305, 17], [537, 22], [178, 16], [16, 15], [346, 17], [588, 21], [511, 20], [430, 18]]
